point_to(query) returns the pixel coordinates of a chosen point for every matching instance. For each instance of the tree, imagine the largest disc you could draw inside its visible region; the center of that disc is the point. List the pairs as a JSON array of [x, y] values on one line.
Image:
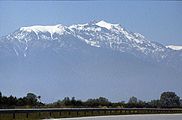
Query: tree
[[169, 100], [22, 101], [73, 101], [32, 99], [133, 100], [180, 103], [141, 104], [4, 101], [67, 101], [101, 101], [12, 101], [154, 103], [31, 96]]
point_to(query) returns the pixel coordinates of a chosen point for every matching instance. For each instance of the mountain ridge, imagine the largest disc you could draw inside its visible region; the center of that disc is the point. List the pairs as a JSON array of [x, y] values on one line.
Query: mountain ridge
[[98, 34]]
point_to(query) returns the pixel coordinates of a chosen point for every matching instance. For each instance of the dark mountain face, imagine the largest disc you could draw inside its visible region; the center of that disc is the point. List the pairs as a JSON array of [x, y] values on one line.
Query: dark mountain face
[[88, 60]]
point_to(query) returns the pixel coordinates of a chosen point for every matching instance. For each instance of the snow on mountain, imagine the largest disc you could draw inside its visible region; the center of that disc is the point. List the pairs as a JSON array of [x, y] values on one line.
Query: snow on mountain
[[96, 33], [56, 29], [105, 24], [174, 47], [114, 36], [59, 29]]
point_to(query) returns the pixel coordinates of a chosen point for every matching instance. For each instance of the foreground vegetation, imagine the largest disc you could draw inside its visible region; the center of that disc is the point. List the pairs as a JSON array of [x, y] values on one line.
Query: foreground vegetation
[[100, 106], [166, 100]]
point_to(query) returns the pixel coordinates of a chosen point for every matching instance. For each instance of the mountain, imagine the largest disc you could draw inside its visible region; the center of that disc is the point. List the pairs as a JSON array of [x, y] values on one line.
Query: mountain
[[97, 34], [87, 60]]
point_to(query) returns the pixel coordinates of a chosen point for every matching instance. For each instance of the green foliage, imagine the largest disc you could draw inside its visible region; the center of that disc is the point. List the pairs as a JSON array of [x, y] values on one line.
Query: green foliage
[[135, 103], [101, 101], [11, 102], [133, 100], [68, 102], [169, 100], [154, 103], [31, 99], [180, 103]]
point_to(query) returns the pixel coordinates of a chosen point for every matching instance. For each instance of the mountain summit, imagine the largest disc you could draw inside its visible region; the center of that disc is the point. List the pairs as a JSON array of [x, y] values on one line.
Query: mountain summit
[[106, 25], [87, 60]]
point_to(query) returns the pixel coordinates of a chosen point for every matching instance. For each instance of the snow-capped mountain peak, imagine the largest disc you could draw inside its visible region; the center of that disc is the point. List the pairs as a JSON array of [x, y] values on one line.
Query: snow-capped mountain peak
[[105, 24]]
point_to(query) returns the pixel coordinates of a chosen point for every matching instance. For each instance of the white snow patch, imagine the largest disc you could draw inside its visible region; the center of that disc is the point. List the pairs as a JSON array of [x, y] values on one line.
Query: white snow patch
[[138, 35], [105, 24], [59, 29], [92, 43], [174, 47], [16, 51]]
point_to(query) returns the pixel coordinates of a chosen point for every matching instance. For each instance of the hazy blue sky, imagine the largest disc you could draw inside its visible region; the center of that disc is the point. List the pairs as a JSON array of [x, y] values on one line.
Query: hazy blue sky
[[158, 21]]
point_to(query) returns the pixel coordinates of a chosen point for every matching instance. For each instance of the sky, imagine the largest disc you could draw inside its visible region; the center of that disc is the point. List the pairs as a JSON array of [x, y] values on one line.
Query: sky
[[159, 21]]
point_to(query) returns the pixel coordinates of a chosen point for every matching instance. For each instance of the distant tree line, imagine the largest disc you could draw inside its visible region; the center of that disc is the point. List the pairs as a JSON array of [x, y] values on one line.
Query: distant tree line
[[72, 102], [30, 100], [166, 100]]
